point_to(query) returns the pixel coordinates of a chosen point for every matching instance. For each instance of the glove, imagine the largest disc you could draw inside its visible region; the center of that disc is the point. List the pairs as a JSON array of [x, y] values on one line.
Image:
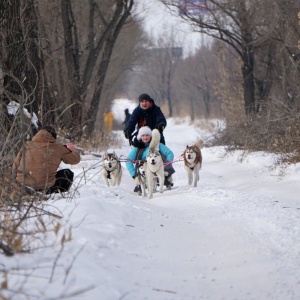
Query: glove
[[71, 147], [161, 127], [127, 134], [136, 143]]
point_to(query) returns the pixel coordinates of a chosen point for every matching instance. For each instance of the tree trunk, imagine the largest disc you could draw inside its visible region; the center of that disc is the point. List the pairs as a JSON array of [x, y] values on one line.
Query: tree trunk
[[72, 63], [12, 50], [248, 78], [169, 100], [95, 103], [23, 67], [122, 12], [247, 52]]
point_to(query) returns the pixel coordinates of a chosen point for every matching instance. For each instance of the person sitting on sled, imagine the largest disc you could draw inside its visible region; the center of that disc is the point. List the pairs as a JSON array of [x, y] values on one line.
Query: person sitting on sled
[[147, 113], [139, 153]]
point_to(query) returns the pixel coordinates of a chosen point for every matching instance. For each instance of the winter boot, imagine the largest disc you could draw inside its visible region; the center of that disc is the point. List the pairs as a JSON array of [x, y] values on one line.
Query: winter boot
[[138, 189]]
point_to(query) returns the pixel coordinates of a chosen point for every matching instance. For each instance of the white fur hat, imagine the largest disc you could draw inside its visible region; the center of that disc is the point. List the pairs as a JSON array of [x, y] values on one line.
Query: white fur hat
[[144, 130]]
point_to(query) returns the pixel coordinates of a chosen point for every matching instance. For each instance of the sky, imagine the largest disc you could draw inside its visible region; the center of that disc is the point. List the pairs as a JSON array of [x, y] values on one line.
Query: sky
[[158, 20], [235, 236]]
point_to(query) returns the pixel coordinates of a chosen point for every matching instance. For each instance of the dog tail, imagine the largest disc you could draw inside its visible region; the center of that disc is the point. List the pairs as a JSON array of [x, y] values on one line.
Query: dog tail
[[154, 144], [199, 143]]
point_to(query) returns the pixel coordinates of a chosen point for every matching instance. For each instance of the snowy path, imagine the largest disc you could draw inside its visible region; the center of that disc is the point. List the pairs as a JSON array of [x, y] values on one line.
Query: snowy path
[[225, 239], [234, 237]]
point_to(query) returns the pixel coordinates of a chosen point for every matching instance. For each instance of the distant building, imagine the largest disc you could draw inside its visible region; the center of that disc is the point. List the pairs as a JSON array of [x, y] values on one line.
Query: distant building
[[192, 7]]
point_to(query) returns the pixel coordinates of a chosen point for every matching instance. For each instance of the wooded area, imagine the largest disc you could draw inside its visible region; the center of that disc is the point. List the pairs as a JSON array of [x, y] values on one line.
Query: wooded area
[[66, 61], [257, 47], [56, 56]]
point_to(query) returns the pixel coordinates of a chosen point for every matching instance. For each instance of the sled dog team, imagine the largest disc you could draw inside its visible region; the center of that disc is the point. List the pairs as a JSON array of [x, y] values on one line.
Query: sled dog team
[[149, 162], [151, 171]]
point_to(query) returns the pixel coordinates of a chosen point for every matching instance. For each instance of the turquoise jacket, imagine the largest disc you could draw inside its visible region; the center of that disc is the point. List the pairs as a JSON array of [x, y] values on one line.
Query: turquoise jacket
[[130, 163]]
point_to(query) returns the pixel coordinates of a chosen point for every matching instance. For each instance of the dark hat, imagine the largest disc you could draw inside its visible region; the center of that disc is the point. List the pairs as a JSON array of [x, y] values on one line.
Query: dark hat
[[144, 97], [51, 130]]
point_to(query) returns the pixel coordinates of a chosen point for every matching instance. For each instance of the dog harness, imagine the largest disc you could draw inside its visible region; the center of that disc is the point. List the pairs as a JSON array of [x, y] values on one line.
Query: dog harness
[[108, 174]]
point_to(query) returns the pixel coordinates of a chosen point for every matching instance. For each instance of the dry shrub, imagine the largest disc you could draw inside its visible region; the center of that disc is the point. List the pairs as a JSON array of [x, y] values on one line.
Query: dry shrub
[[100, 141], [276, 130], [27, 224], [21, 216], [22, 209]]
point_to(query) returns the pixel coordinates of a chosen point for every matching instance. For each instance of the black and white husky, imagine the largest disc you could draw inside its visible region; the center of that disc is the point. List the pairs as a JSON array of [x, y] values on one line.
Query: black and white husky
[[154, 166], [112, 169]]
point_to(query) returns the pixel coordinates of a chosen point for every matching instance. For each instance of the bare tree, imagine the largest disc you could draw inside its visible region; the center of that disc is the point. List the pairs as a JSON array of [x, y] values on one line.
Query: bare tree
[[51, 53], [105, 21], [238, 23], [157, 68], [197, 77]]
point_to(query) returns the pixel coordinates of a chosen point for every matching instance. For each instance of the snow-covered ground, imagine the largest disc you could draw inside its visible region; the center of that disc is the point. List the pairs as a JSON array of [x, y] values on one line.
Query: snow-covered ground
[[235, 236]]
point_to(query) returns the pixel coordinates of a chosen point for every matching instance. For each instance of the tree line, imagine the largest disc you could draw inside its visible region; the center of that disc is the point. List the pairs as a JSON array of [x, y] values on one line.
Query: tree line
[[257, 45], [67, 60], [55, 58], [260, 36]]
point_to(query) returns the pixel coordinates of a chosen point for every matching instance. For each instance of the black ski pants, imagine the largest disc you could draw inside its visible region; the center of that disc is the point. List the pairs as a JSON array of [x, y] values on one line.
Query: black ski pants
[[64, 180]]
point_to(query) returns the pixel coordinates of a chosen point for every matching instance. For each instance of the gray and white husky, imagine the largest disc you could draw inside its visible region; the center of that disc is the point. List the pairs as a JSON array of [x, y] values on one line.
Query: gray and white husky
[[193, 161], [154, 166], [112, 169]]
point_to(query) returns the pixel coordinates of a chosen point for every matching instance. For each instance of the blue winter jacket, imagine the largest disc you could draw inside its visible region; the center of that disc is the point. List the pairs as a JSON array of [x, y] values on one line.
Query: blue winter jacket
[[130, 164], [152, 117]]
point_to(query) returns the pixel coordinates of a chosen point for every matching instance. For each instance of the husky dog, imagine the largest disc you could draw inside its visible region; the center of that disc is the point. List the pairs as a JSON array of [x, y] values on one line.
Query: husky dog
[[141, 178], [112, 170], [193, 161], [154, 166]]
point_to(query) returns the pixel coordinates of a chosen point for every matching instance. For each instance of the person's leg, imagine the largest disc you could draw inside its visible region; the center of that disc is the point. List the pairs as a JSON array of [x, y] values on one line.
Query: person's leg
[[137, 188], [168, 182], [169, 170], [64, 180]]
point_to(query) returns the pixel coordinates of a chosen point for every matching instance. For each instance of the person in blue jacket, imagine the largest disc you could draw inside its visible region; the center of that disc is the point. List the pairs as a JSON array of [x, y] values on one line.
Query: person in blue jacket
[[139, 153], [147, 113]]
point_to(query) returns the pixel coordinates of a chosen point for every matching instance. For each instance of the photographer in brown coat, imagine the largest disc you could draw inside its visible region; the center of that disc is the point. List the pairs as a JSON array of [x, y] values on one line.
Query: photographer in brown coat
[[42, 157]]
